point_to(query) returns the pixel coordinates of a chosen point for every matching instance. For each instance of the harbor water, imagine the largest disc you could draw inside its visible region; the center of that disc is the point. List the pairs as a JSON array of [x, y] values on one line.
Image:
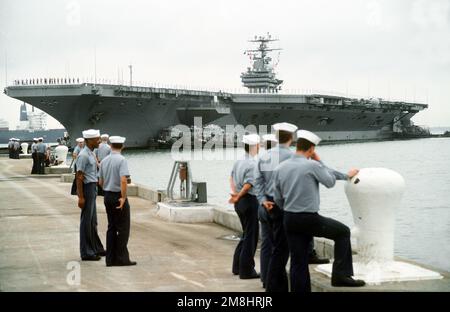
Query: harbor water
[[422, 220]]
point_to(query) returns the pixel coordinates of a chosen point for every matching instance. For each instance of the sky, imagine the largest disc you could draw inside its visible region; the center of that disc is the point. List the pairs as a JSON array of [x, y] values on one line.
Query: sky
[[393, 49]]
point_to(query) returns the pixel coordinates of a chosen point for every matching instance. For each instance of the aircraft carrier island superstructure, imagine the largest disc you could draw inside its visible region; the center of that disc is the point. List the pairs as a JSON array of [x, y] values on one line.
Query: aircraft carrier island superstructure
[[139, 113]]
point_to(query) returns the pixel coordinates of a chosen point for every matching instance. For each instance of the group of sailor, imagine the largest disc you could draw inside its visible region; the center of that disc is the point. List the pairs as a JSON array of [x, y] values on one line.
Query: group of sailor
[[14, 148], [39, 155], [281, 189], [40, 81], [277, 188], [101, 166]]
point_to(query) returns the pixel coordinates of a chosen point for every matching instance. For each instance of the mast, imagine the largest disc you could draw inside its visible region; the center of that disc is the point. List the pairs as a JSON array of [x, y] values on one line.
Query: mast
[[261, 78]]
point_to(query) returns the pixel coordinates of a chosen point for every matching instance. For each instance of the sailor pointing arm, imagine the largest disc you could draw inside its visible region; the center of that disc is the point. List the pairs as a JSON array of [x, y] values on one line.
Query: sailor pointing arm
[[297, 192]]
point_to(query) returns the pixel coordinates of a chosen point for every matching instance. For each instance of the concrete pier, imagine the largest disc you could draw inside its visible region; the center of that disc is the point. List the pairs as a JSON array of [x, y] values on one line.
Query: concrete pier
[[39, 244]]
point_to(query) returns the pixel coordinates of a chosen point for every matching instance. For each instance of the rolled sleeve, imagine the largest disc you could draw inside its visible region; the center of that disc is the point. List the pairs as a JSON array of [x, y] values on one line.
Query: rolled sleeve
[[249, 176], [123, 169], [82, 163]]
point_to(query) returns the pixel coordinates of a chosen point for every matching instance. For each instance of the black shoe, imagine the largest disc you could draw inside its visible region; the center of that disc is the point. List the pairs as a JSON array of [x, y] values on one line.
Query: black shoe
[[91, 258], [126, 263], [101, 253], [346, 281], [254, 275]]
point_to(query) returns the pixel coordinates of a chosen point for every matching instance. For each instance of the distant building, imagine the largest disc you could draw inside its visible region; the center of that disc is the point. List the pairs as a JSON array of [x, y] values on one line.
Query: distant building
[[32, 120], [4, 125]]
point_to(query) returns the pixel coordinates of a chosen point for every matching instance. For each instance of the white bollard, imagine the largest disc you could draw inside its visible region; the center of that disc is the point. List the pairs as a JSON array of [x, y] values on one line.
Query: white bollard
[[61, 154], [24, 148], [374, 194]]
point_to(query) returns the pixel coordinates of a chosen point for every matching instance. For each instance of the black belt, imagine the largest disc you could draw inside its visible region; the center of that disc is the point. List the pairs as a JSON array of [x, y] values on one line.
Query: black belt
[[305, 213], [114, 193]]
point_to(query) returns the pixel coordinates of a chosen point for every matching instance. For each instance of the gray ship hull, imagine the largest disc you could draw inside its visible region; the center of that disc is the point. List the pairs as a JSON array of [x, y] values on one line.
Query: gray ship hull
[[335, 121], [136, 113], [139, 113]]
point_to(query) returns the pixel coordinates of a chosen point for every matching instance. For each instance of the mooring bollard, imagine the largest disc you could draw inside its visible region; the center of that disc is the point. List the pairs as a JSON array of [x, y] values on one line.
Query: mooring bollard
[[24, 148], [61, 154], [374, 194]]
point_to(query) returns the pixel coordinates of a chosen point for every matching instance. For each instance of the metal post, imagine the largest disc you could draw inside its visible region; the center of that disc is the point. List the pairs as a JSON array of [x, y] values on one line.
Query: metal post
[[6, 68], [95, 65], [131, 75], [188, 181], [171, 182]]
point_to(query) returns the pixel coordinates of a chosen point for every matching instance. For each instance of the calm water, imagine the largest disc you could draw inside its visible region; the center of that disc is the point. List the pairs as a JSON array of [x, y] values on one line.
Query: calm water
[[422, 220]]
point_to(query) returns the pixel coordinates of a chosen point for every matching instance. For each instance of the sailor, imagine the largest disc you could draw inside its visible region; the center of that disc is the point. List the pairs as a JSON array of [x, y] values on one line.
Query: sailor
[[103, 149], [246, 206], [41, 149], [101, 152], [34, 170], [16, 148], [296, 191], [274, 260], [78, 147], [276, 278], [270, 141], [47, 155], [11, 147], [76, 151], [91, 247], [113, 176]]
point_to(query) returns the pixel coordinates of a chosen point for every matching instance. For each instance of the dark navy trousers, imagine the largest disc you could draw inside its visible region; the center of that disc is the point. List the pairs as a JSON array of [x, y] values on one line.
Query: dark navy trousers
[[118, 229], [277, 280], [266, 242], [34, 169], [90, 243], [300, 229], [243, 259]]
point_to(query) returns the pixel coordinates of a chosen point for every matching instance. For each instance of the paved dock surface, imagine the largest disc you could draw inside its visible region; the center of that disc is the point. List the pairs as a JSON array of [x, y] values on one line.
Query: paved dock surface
[[39, 237], [39, 246]]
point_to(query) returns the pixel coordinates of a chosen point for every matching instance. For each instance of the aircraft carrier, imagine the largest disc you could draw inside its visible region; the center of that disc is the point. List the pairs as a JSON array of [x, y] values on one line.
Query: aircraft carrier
[[139, 113]]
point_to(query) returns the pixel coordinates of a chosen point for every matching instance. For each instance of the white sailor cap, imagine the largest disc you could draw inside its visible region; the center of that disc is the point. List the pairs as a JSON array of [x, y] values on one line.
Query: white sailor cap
[[91, 133], [40, 138], [80, 140], [251, 139], [285, 126], [12, 139], [35, 139], [104, 136], [270, 137], [117, 139], [308, 135], [17, 139]]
